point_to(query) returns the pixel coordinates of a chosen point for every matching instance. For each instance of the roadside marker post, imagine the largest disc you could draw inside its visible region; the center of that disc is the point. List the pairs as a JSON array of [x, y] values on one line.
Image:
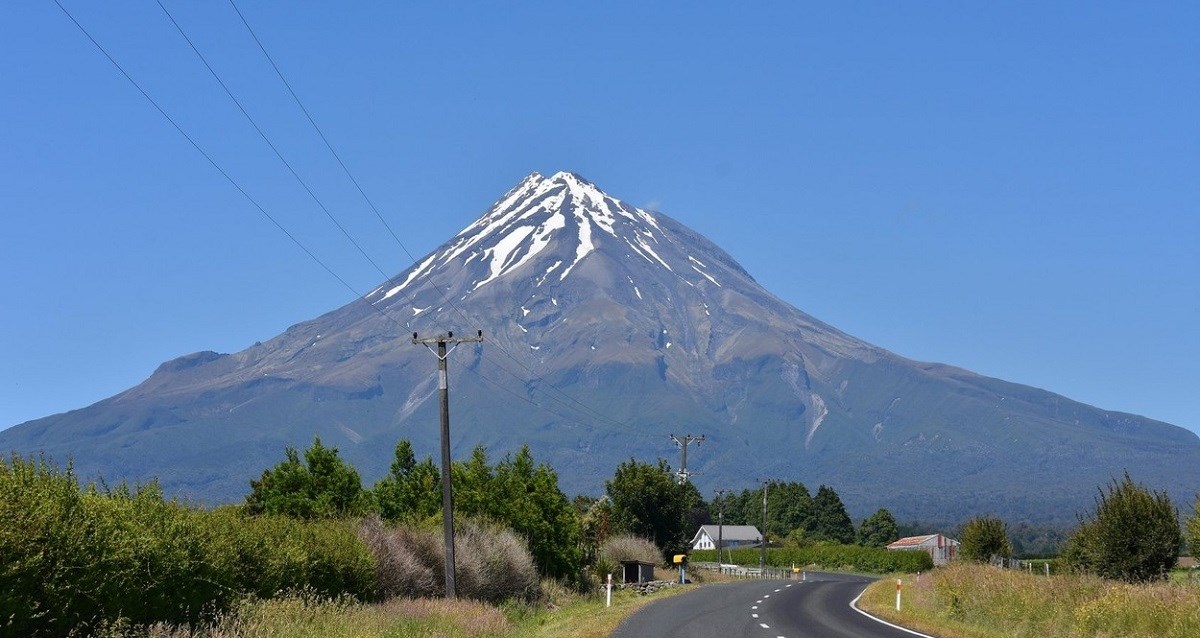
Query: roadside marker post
[[608, 596], [897, 594]]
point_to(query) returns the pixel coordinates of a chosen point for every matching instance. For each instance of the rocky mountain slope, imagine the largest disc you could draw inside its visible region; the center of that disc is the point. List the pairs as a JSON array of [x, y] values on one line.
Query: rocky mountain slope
[[606, 329]]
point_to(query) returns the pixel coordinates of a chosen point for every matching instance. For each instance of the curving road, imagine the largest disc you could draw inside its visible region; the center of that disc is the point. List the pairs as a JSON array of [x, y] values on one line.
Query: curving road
[[816, 608]]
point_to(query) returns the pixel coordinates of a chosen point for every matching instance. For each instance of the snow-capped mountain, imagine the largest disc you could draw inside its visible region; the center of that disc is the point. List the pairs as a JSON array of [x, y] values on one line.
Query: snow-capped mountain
[[608, 327]]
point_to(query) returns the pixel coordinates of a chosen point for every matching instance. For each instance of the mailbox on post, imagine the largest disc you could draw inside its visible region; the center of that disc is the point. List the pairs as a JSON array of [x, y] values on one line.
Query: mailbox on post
[[681, 560]]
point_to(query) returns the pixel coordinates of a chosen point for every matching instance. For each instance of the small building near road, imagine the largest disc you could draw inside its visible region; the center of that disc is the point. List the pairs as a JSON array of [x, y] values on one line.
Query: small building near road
[[732, 536], [636, 571], [941, 548]]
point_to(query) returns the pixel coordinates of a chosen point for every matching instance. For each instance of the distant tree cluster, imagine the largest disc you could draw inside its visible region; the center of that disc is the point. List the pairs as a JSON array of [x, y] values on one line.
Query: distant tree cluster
[[795, 515]]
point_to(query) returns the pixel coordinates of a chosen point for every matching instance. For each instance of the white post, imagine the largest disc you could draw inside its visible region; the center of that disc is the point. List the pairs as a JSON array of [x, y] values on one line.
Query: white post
[[897, 594], [608, 597], [1047, 569], [804, 576]]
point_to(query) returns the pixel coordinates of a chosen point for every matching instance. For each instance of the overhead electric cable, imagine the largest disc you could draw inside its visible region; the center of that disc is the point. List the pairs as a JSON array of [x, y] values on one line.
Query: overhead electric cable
[[320, 132], [202, 152], [266, 139], [276, 222], [446, 298]]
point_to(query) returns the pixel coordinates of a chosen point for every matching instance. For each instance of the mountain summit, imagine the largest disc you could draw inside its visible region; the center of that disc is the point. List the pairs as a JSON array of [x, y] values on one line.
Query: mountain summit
[[607, 328]]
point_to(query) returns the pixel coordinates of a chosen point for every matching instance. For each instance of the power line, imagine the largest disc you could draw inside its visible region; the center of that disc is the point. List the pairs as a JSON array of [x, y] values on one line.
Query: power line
[[201, 150], [446, 298], [319, 131], [266, 139], [595, 413], [329, 214]]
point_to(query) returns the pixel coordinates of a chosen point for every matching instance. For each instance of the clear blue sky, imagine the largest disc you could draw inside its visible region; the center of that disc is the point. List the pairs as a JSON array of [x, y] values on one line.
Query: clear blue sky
[[1013, 188]]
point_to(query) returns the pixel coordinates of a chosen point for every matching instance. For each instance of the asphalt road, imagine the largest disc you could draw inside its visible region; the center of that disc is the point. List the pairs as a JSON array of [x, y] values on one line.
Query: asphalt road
[[816, 608]]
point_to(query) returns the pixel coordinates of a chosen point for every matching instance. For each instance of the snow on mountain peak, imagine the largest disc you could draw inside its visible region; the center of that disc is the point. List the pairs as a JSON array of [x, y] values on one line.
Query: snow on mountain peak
[[564, 210]]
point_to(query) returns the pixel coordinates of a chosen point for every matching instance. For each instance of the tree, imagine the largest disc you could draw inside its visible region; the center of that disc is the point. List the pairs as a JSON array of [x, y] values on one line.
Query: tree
[[696, 511], [526, 497], [832, 521], [1193, 526], [878, 530], [983, 539], [1132, 536], [411, 491], [789, 507], [647, 502], [322, 486]]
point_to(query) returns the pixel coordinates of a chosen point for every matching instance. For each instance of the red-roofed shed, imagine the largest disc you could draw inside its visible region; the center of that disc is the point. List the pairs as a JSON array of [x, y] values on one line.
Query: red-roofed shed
[[941, 548]]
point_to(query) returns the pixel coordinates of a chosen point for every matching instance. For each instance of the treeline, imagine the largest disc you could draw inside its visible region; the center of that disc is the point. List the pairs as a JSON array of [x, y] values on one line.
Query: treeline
[[794, 515], [76, 558]]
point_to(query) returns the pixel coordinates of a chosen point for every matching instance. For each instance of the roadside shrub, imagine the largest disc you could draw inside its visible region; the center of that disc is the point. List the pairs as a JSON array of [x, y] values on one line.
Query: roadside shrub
[[983, 539], [492, 564], [74, 558], [1133, 535], [408, 560], [628, 547]]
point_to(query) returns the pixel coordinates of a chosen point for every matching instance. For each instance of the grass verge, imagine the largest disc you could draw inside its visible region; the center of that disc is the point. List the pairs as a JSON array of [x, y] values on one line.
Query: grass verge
[[975, 601], [566, 615]]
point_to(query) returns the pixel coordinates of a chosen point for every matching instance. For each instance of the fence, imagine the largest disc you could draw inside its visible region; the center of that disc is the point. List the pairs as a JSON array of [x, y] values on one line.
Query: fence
[[738, 571]]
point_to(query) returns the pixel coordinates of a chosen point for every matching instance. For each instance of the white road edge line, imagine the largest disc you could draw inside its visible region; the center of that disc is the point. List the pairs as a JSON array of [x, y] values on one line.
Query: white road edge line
[[854, 606]]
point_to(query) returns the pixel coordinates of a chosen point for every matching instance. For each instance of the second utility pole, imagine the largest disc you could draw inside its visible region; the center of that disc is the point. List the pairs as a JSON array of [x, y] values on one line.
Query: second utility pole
[[683, 444], [447, 493]]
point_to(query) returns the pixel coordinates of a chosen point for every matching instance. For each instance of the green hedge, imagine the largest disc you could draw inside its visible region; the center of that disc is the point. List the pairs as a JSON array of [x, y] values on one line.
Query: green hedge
[[873, 560], [72, 557]]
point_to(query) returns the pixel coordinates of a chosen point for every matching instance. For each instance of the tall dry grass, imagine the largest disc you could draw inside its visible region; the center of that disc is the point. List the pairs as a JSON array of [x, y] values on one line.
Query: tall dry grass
[[491, 563], [313, 617], [971, 600]]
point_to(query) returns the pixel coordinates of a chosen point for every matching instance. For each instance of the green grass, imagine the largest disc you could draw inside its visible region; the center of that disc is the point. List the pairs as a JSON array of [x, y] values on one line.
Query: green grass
[[976, 601]]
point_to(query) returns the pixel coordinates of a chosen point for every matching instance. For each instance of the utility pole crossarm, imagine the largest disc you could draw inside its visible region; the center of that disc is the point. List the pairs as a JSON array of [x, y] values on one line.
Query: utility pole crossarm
[[683, 442]]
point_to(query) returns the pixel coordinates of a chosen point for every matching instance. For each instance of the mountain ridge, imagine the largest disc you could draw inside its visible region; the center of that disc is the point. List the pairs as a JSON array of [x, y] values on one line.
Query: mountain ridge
[[607, 327]]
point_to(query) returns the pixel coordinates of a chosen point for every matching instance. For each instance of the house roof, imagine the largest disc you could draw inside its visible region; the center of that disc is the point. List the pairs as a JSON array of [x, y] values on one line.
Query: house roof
[[917, 541], [729, 533]]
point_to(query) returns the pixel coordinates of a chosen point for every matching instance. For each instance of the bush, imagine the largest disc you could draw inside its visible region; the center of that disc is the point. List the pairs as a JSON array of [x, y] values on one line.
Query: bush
[[628, 547], [491, 564], [74, 558], [984, 539], [1132, 536]]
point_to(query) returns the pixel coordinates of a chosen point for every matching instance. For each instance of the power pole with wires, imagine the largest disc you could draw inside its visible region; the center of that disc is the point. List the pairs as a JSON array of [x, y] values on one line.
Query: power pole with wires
[[444, 392], [683, 446], [762, 553], [720, 521]]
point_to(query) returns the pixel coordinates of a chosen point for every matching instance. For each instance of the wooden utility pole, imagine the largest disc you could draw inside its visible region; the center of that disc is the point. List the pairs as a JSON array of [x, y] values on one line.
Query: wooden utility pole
[[720, 522], [762, 553], [683, 446], [444, 392]]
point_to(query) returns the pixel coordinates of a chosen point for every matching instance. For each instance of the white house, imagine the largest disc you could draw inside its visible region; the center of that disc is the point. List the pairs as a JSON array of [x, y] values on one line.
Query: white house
[[942, 549], [731, 536]]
